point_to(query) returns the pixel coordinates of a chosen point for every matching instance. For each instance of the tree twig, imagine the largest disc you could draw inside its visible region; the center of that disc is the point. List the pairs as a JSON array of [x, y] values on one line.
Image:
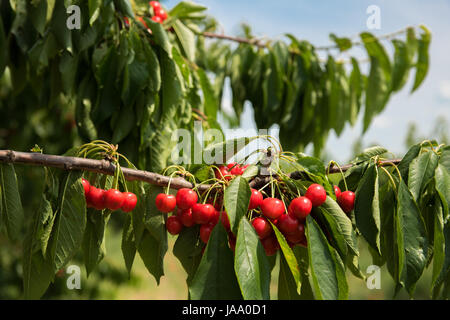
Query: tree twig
[[106, 167]]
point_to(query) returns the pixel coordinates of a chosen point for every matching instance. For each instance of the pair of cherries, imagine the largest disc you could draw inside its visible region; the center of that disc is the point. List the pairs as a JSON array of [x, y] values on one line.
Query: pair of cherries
[[111, 199], [229, 171]]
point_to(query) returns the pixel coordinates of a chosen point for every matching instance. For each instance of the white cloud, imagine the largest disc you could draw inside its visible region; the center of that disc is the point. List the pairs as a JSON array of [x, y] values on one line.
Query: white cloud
[[382, 122]]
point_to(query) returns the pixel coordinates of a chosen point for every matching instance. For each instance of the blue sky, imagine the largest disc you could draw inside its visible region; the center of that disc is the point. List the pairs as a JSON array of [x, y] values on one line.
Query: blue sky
[[314, 20]]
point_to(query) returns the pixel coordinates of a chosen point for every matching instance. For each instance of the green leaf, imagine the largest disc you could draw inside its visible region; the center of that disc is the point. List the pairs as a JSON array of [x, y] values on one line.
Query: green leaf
[[215, 278], [186, 38], [422, 63], [211, 105], [124, 6], [59, 28], [442, 178], [13, 216], [185, 9], [377, 92], [126, 122], [171, 87], [236, 200], [376, 50], [160, 36], [187, 249], [343, 43], [312, 165], [287, 287], [37, 270], [155, 224], [251, 264], [343, 222], [93, 239], [367, 207], [402, 64], [404, 164], [326, 267], [438, 242], [70, 222], [411, 239], [421, 171], [94, 10], [128, 243], [369, 153], [149, 250], [289, 256]]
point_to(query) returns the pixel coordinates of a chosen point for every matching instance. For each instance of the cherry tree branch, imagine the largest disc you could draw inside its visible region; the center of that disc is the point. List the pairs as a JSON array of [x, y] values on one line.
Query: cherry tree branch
[[108, 168]]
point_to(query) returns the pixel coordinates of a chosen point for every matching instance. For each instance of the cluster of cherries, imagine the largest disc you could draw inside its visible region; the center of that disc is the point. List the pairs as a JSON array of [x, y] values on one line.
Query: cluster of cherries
[[290, 222], [189, 212], [160, 15], [111, 199], [229, 171]]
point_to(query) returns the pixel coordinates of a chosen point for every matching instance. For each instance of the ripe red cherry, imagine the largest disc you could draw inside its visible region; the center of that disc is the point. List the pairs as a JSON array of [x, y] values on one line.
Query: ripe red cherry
[[114, 199], [337, 191], [231, 165], [256, 199], [202, 213], [165, 202], [215, 218], [223, 174], [225, 220], [347, 201], [231, 241], [237, 170], [297, 236], [186, 198], [272, 208], [130, 202], [287, 224], [160, 12], [155, 4], [205, 232], [317, 194], [86, 186], [157, 19], [300, 208], [262, 227], [185, 216], [270, 245], [174, 225], [97, 198]]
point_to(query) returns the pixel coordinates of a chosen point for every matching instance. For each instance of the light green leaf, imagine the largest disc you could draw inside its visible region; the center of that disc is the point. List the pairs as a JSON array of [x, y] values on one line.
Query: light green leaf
[[421, 171], [326, 267], [236, 201], [251, 264], [422, 63], [70, 222]]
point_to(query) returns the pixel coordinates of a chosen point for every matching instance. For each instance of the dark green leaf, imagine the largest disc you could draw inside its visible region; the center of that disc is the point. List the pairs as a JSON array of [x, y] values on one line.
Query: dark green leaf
[[422, 63], [128, 243], [215, 278], [411, 237], [187, 249], [12, 215], [367, 207]]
